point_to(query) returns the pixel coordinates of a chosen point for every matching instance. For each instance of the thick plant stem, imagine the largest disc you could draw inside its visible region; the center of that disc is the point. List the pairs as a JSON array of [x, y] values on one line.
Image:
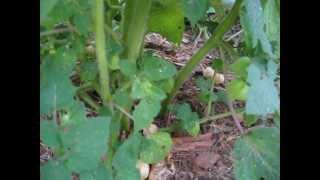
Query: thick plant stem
[[134, 26], [213, 42], [101, 52]]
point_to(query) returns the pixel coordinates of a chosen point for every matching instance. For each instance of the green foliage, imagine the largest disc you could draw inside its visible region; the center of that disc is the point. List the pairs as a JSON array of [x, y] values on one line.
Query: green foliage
[[56, 89], [240, 67], [189, 120], [257, 155], [194, 10], [252, 19], [263, 97], [237, 90], [205, 90], [156, 69], [156, 147], [167, 19], [134, 85], [144, 113], [126, 157], [55, 170]]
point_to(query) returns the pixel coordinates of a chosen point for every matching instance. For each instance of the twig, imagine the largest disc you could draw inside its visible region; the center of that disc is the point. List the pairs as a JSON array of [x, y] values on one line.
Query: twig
[[216, 117], [234, 35]]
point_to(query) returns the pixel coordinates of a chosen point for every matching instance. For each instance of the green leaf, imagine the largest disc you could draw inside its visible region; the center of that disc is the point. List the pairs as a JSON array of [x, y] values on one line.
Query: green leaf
[[194, 10], [114, 63], [189, 120], [272, 23], [156, 147], [56, 89], [252, 20], [237, 90], [126, 157], [83, 23], [88, 71], [127, 68], [142, 88], [156, 69], [240, 67], [49, 133], [122, 98], [250, 120], [217, 65], [87, 144], [45, 7], [101, 173], [257, 155], [167, 19], [166, 85], [54, 170], [262, 96], [205, 90], [144, 113]]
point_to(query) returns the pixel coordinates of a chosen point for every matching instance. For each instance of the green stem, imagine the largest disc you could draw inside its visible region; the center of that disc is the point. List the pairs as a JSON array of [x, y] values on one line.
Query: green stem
[[213, 42], [101, 53], [210, 98], [233, 54], [134, 26], [219, 116]]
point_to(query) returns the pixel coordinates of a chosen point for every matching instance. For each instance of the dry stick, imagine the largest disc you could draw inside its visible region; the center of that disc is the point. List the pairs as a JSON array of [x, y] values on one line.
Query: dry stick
[[233, 113], [218, 116]]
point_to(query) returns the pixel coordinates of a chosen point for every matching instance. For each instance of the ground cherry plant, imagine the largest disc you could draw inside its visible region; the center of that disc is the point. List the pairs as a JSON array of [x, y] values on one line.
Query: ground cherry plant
[[93, 57]]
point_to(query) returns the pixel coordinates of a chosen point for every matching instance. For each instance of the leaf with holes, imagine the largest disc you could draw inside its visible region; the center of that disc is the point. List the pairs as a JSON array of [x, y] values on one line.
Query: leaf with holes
[[86, 143]]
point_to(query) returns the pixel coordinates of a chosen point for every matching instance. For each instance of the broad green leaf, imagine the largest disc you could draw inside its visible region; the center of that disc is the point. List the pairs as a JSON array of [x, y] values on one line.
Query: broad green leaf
[[56, 89], [262, 96], [166, 85], [88, 70], [126, 157], [142, 88], [203, 84], [127, 68], [272, 69], [101, 173], [49, 133], [54, 170], [217, 65], [249, 120], [156, 69], [156, 147], [272, 23], [237, 90], [87, 144], [61, 12], [252, 20], [167, 19], [205, 90], [257, 155], [83, 23], [240, 67], [45, 7], [189, 120], [114, 62], [144, 113], [122, 98], [194, 10]]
